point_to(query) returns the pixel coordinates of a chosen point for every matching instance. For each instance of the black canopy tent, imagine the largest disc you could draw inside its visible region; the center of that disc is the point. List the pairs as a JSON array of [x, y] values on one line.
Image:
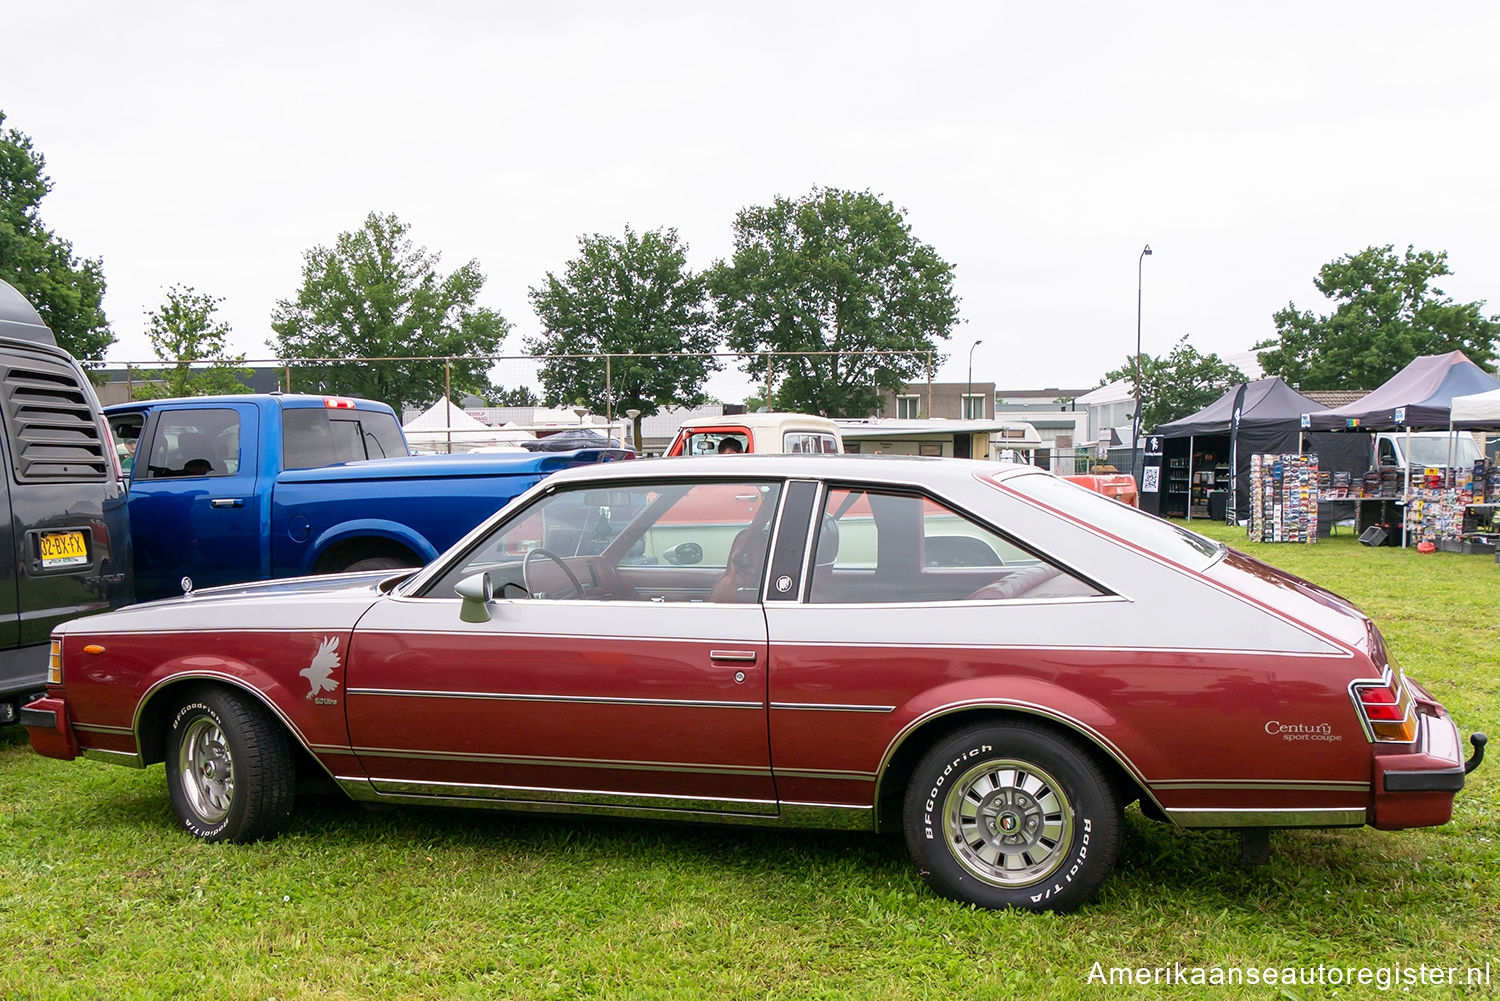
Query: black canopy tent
[[1260, 416]]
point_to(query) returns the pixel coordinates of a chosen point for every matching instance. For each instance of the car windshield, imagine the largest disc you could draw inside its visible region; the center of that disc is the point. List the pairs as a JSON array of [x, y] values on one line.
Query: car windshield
[[1129, 523]]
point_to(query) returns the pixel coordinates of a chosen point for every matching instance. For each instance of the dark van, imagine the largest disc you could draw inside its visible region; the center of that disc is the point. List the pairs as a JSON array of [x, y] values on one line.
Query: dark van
[[64, 541]]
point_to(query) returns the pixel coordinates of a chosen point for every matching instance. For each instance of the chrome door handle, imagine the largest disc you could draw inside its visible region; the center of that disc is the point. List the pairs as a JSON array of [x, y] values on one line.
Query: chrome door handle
[[227, 502], [732, 656]]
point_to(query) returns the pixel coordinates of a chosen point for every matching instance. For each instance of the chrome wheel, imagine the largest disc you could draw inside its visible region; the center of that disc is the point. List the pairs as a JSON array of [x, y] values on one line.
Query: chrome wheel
[[206, 770], [1008, 822]]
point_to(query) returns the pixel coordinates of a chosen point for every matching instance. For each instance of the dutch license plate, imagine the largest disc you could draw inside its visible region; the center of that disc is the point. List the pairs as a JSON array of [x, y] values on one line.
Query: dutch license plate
[[63, 549]]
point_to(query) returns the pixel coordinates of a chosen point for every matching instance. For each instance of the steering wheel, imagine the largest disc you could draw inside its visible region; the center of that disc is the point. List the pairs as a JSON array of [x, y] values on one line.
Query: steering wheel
[[548, 554]]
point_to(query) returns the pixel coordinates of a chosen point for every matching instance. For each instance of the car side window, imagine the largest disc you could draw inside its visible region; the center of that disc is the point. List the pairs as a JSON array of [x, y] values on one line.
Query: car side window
[[877, 546], [194, 443], [685, 542], [126, 430], [808, 443], [1387, 452]]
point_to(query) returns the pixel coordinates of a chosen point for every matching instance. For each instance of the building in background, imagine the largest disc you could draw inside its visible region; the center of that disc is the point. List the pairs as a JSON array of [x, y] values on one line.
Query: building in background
[[1062, 425]]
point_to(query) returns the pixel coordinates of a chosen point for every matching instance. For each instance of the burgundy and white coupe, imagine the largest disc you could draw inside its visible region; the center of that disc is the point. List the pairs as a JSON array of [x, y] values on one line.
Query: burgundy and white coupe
[[985, 657]]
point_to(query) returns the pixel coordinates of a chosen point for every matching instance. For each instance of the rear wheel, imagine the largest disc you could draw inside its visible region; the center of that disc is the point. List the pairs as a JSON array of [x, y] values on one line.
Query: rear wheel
[[1012, 815], [230, 768]]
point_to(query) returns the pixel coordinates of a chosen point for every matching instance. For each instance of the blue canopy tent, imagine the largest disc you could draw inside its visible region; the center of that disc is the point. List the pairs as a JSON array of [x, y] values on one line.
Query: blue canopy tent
[[1417, 398]]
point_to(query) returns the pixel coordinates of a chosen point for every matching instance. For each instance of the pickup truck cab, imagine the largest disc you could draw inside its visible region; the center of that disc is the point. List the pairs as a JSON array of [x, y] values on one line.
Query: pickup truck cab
[[228, 489], [790, 434]]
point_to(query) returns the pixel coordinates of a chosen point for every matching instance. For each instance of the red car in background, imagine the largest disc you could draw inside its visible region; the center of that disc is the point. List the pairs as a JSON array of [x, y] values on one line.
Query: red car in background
[[984, 657]]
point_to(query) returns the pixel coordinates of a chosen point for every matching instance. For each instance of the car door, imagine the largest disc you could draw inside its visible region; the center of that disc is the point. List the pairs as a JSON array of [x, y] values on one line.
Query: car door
[[193, 501], [580, 691]]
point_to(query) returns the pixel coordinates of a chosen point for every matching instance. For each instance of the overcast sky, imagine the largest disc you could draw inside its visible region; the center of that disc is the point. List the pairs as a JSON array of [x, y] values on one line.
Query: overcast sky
[[1037, 147]]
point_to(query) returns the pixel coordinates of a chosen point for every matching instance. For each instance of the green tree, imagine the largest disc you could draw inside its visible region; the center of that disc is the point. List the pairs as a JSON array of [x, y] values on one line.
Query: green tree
[[837, 272], [1387, 312], [1182, 383], [634, 297], [520, 396], [184, 330], [375, 295], [68, 293]]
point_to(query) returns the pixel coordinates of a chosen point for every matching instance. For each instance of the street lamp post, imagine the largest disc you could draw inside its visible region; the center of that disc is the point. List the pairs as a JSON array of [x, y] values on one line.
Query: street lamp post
[[1135, 424], [969, 389], [635, 439]]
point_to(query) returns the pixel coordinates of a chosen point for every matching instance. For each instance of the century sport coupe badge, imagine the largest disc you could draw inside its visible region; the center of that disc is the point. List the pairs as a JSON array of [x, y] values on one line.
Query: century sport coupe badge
[[319, 673]]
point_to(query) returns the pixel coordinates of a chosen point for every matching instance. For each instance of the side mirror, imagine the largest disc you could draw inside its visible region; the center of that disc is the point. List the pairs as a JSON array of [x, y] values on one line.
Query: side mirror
[[477, 593], [684, 554]]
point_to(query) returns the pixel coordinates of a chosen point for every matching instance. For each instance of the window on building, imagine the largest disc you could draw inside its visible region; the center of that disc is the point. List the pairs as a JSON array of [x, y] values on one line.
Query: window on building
[[908, 408], [973, 407]]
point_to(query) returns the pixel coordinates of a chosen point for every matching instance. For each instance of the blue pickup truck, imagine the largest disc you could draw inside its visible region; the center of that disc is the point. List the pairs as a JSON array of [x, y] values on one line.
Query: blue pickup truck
[[227, 489]]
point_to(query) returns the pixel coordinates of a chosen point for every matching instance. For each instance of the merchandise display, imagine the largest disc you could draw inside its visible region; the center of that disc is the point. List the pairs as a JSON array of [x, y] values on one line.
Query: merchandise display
[[1435, 513], [1283, 498], [1192, 475], [1454, 513]]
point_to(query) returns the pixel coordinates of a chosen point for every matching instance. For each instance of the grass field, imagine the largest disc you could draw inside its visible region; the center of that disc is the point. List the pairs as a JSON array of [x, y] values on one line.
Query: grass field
[[102, 897]]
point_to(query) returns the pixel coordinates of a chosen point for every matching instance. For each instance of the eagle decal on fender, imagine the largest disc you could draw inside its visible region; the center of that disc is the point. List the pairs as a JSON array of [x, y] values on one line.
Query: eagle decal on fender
[[319, 673]]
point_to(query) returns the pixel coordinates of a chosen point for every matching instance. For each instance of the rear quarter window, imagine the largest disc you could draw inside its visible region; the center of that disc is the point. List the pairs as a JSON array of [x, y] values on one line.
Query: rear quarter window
[[1121, 520], [50, 423], [314, 436]]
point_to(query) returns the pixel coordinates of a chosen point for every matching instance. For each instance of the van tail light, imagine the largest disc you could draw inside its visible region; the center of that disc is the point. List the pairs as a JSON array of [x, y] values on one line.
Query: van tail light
[[338, 403], [1387, 709], [112, 447], [54, 663]]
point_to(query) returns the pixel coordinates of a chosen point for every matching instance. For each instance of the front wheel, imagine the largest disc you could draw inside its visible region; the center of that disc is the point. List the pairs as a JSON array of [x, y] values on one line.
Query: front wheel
[[230, 769], [1012, 815]]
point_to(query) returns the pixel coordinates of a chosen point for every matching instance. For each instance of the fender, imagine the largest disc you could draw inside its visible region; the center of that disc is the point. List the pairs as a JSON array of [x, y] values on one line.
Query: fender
[[368, 528], [250, 681], [1071, 711]]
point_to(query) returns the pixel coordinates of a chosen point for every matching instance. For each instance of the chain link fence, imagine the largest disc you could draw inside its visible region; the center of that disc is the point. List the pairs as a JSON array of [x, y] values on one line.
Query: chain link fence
[[739, 377]]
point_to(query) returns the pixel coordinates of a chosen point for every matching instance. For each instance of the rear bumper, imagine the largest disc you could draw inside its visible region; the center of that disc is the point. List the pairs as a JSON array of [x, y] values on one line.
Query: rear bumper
[[46, 721], [1416, 789]]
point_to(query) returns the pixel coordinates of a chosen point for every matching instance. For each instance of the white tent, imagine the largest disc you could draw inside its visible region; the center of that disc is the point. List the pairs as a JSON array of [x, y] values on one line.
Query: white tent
[[1478, 412], [445, 422]]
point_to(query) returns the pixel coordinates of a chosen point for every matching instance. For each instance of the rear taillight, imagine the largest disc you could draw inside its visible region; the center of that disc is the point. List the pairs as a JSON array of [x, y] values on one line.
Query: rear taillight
[[54, 663], [1386, 708], [338, 403], [112, 447]]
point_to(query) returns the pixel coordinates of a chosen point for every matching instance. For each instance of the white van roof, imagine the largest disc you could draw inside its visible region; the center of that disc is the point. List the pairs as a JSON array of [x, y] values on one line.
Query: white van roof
[[766, 422]]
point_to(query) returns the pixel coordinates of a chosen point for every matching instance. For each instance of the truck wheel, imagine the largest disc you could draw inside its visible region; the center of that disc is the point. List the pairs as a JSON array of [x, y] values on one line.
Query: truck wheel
[[230, 769], [378, 563], [1012, 815]]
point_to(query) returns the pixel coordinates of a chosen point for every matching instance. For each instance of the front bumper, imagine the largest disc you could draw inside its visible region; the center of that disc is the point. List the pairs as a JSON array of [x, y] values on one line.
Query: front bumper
[[1416, 789], [46, 722]]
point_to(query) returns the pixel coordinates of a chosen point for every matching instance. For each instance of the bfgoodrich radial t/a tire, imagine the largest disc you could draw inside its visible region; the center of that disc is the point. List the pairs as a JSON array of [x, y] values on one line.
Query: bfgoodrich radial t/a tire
[[229, 767], [1012, 815]]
